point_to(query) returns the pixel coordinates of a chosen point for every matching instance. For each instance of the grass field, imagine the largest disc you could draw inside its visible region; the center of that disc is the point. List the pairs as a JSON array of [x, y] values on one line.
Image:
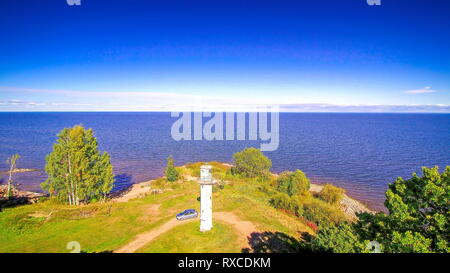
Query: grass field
[[100, 227], [187, 238]]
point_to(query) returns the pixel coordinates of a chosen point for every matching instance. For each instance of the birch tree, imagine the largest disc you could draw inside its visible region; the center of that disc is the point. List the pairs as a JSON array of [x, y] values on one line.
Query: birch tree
[[12, 167], [77, 171]]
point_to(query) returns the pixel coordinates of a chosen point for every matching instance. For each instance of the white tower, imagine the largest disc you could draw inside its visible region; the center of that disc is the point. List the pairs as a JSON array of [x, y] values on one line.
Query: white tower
[[206, 184]]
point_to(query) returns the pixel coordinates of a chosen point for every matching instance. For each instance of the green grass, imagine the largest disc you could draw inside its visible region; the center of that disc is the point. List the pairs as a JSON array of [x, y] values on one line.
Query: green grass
[[92, 225], [187, 238], [107, 226]]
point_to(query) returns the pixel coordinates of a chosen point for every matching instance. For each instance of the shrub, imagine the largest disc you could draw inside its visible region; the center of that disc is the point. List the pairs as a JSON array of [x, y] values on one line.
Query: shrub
[[293, 183], [337, 239], [280, 201], [283, 201], [331, 194], [250, 163], [322, 213], [220, 185], [171, 173], [311, 225], [267, 188], [159, 183], [22, 223]]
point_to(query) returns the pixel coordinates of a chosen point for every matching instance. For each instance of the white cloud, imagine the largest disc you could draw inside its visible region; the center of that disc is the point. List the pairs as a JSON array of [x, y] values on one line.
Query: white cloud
[[15, 105], [132, 100], [424, 90], [361, 108], [67, 100]]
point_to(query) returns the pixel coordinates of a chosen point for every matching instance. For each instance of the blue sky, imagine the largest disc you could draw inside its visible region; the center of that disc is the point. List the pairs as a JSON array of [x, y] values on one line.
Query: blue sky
[[163, 55]]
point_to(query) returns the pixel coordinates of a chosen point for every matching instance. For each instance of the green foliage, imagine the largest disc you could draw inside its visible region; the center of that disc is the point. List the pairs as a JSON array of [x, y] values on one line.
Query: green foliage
[[322, 213], [220, 185], [337, 239], [267, 188], [251, 163], [283, 201], [331, 194], [115, 224], [77, 171], [419, 213], [23, 223], [171, 172], [409, 242], [159, 183], [292, 194], [293, 183]]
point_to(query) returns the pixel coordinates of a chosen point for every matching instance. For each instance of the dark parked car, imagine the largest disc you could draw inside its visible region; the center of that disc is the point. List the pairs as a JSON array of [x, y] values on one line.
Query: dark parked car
[[187, 214]]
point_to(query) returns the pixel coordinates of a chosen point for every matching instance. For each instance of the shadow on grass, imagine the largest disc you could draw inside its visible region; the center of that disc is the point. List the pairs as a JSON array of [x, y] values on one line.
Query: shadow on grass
[[277, 242], [13, 201]]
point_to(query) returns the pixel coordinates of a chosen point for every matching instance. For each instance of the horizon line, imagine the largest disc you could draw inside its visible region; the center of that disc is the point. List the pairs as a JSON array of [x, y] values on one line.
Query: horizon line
[[285, 112]]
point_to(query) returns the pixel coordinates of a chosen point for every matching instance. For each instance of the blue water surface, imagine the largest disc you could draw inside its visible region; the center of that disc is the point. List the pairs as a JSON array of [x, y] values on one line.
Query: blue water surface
[[361, 152]]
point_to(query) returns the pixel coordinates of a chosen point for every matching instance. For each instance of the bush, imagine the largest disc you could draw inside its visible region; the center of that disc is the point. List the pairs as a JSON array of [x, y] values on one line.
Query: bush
[[23, 223], [331, 194], [159, 183], [267, 188], [220, 185], [280, 201], [283, 201], [251, 163], [311, 225], [171, 173], [322, 213], [337, 239], [293, 183]]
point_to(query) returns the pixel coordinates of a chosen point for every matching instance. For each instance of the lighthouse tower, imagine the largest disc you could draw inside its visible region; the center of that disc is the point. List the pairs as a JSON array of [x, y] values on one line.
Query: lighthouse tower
[[206, 184]]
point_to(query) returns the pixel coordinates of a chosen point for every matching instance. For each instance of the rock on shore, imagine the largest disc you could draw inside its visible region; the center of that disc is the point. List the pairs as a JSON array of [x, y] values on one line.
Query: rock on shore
[[348, 205], [19, 197]]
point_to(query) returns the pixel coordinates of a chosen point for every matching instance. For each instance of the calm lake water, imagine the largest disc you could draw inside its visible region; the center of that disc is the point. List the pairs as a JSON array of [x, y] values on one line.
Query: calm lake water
[[361, 152]]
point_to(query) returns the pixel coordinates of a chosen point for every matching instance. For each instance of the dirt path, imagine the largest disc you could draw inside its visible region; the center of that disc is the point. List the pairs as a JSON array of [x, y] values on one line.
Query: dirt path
[[142, 239], [244, 228]]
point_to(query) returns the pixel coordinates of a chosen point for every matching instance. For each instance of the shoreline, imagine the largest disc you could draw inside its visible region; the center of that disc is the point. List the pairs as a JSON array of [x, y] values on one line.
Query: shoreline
[[20, 197], [318, 183], [20, 171], [348, 204]]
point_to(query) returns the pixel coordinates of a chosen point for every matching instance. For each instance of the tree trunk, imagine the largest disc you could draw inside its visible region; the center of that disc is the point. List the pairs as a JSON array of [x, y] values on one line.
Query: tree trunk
[[73, 188], [69, 183], [8, 191]]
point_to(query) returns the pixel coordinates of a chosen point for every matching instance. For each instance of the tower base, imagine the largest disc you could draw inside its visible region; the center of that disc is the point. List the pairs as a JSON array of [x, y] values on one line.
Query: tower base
[[205, 226]]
